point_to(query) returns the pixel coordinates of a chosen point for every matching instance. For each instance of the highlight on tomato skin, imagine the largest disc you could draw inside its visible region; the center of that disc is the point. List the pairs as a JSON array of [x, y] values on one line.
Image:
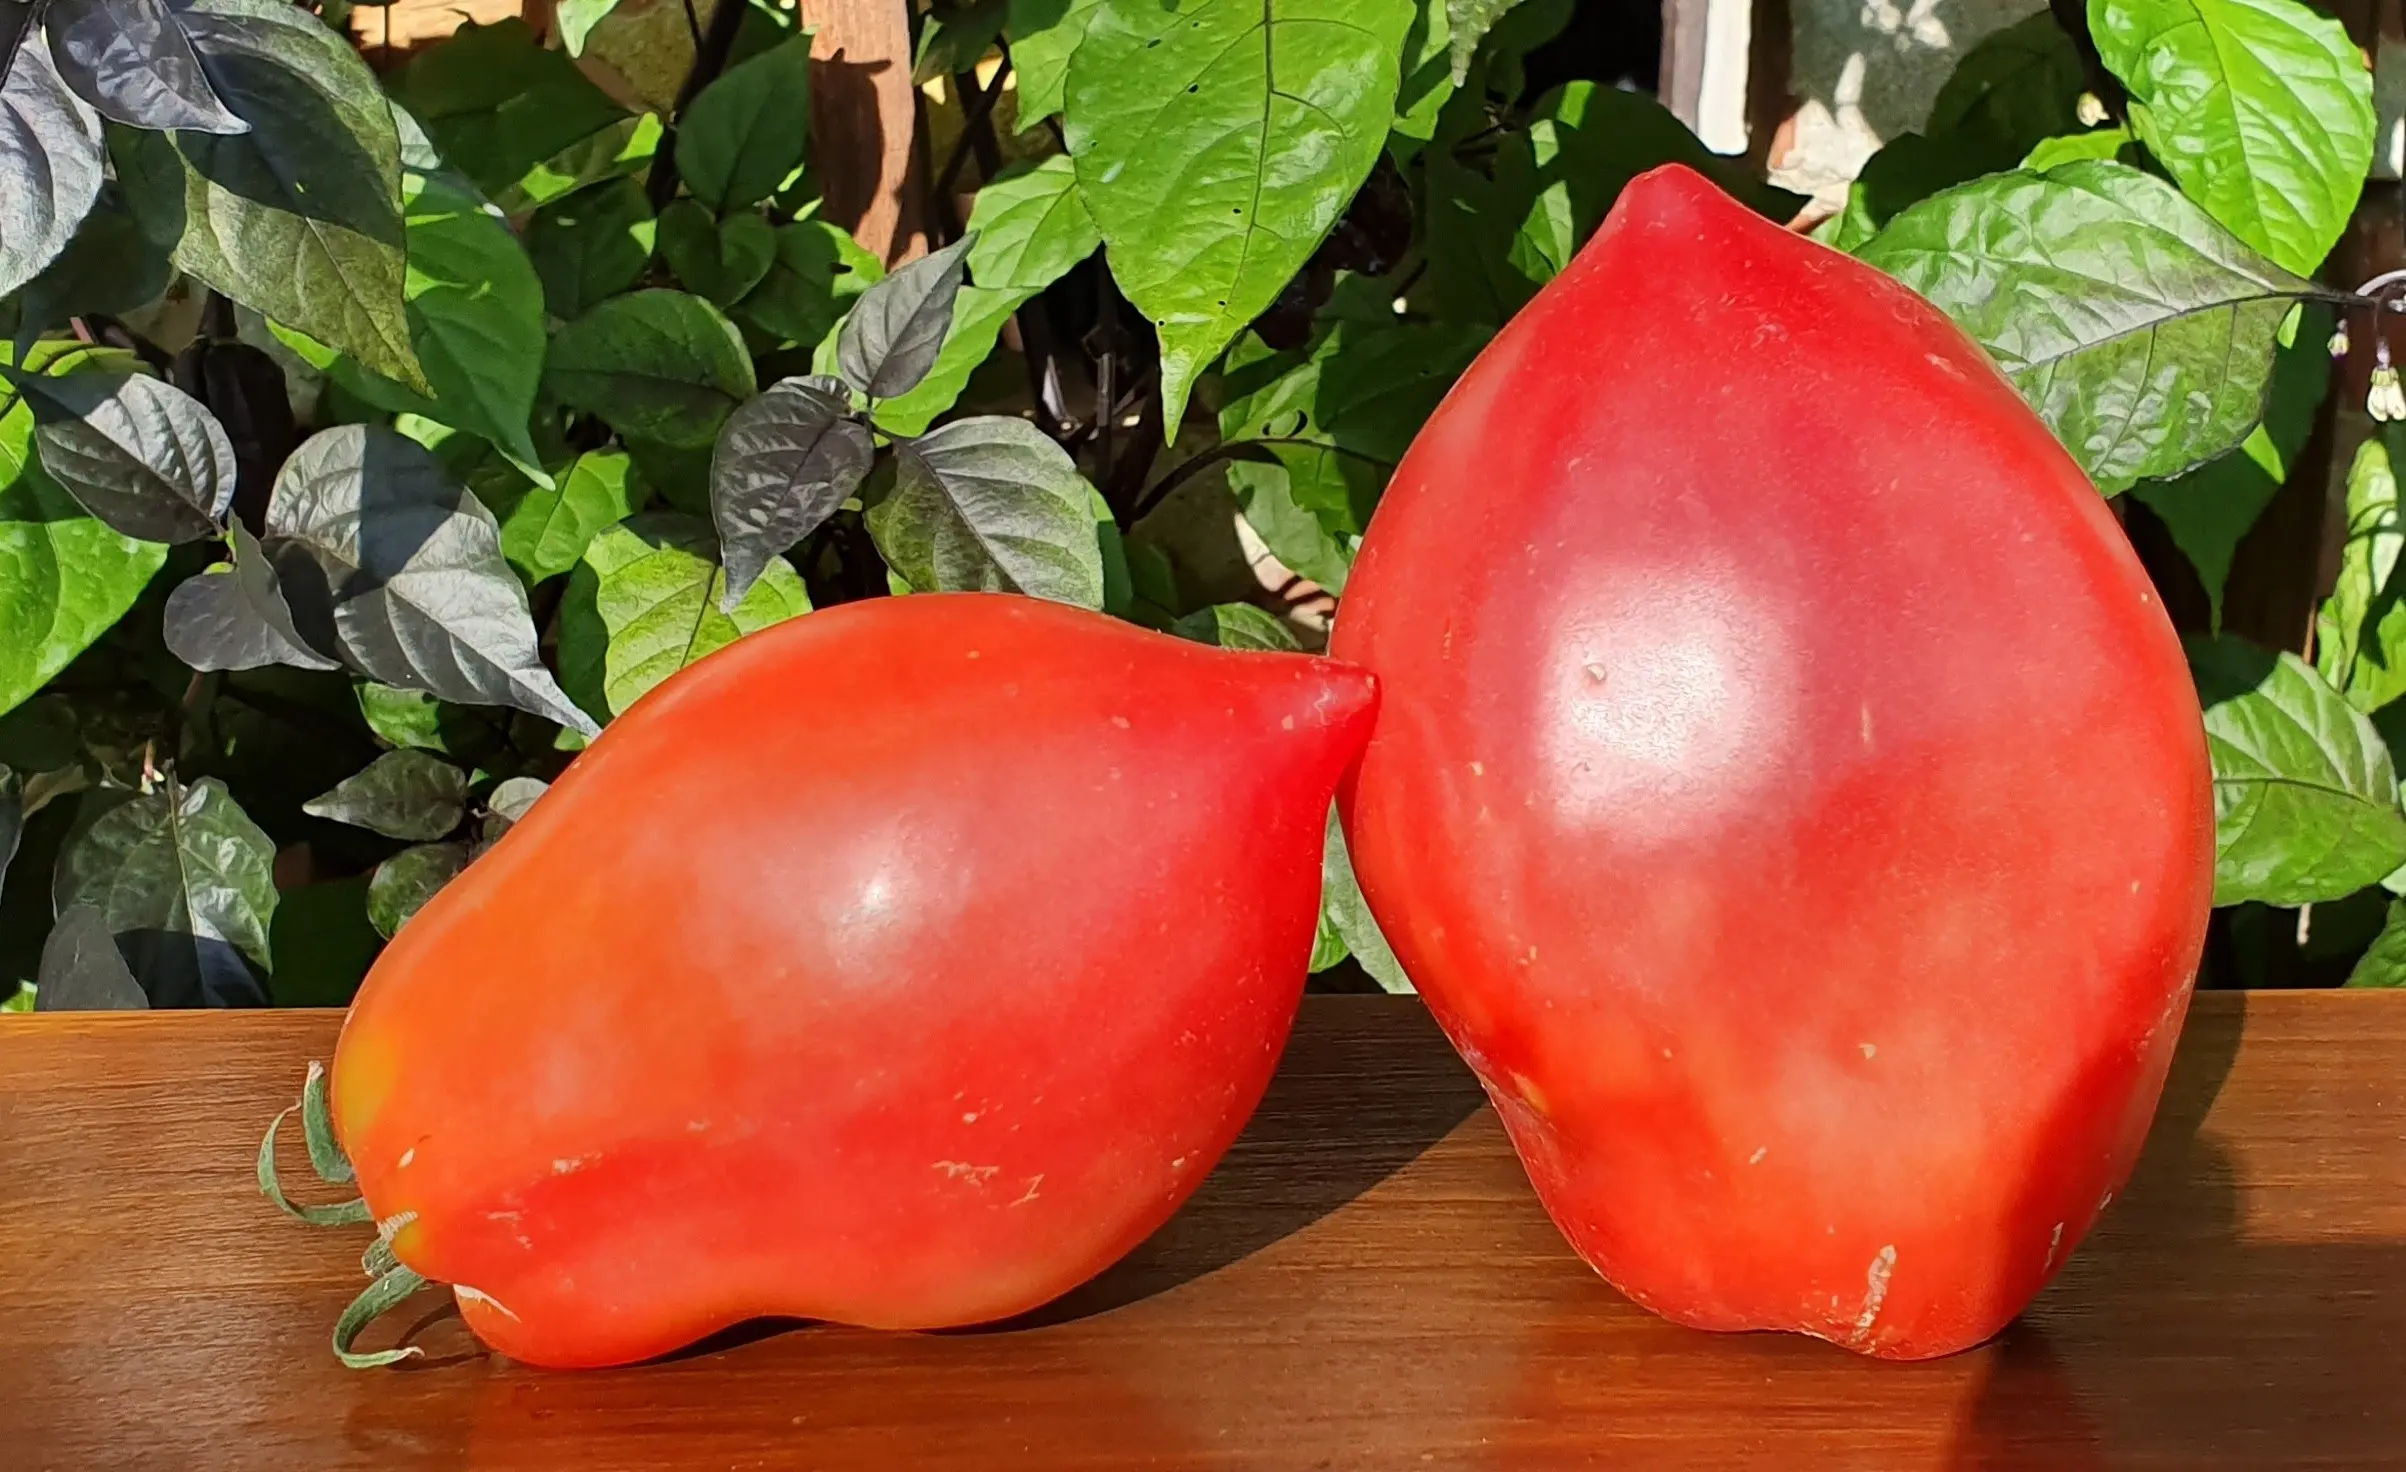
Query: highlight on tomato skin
[[904, 965], [1803, 824]]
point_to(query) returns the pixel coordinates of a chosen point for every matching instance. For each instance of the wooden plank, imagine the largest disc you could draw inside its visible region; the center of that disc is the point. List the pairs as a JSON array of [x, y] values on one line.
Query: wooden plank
[[1365, 1283]]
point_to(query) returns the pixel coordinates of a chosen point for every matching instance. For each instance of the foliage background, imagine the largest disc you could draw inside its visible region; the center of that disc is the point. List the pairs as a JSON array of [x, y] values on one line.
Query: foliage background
[[372, 440]]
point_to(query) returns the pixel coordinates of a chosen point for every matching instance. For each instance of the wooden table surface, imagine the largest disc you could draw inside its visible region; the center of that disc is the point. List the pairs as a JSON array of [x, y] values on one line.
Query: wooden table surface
[[1365, 1283]]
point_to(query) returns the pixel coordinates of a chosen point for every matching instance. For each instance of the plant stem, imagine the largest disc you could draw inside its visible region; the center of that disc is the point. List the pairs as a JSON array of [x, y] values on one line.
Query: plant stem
[[17, 19], [977, 129], [709, 61]]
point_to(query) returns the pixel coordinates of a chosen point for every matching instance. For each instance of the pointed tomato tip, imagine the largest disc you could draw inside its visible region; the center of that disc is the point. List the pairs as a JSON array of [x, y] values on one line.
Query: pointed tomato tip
[[1349, 693], [1673, 191]]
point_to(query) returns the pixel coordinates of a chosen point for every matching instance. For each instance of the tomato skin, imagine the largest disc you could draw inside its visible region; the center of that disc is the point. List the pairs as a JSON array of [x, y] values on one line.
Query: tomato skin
[[1787, 794], [903, 965]]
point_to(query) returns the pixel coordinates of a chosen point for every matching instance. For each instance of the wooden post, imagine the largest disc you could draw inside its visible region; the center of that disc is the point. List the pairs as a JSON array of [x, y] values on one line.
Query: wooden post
[[864, 124]]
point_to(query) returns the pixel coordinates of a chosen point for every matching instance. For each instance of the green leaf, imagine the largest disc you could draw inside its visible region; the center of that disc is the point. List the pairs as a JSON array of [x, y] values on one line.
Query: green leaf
[[644, 604], [2261, 110], [500, 107], [721, 260], [475, 316], [418, 720], [1030, 228], [576, 20], [2100, 144], [1584, 144], [1238, 626], [749, 130], [624, 149], [1217, 142], [185, 881], [1469, 21], [991, 504], [385, 557], [2209, 509], [1044, 34], [590, 246], [1428, 79], [405, 882], [2305, 797], [50, 166], [820, 269], [1345, 911], [299, 218], [656, 365], [545, 532], [64, 577], [1341, 418], [406, 794], [2384, 962], [2360, 631], [2136, 327]]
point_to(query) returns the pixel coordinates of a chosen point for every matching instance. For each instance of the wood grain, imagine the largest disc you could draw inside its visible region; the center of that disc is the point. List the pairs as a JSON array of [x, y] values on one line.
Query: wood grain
[[1366, 1283]]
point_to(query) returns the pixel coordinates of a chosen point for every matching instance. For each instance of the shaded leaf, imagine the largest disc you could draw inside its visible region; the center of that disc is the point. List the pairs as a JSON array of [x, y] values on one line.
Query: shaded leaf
[[405, 882], [785, 463], [408, 574], [2261, 110], [2136, 327], [1217, 141], [502, 108], [50, 167], [185, 881], [1237, 626], [130, 59], [991, 504], [1344, 909], [141, 454], [819, 271], [1342, 417], [893, 333], [656, 365], [513, 799], [406, 794], [592, 245], [955, 36], [415, 719], [2112, 144], [748, 130], [645, 603], [82, 970], [720, 260], [2305, 796], [2384, 962], [110, 268], [235, 617], [12, 816]]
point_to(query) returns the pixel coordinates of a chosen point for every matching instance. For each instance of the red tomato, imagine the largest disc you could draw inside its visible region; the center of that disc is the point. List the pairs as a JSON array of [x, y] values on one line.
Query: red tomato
[[1788, 793], [904, 965]]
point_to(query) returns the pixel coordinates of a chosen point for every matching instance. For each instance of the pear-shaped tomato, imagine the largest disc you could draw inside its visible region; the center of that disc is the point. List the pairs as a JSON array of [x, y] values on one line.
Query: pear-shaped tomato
[[903, 965], [1787, 792]]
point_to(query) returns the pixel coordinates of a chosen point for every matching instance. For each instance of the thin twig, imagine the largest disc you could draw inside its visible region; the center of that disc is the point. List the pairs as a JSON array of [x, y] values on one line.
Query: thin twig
[[975, 116]]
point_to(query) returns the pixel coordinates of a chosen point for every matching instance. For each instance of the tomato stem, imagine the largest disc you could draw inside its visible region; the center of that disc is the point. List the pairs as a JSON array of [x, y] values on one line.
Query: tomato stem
[[394, 1285], [335, 1214]]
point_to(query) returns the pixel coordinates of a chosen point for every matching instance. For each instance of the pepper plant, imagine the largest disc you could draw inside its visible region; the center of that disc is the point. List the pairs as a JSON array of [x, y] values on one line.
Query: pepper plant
[[372, 441]]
